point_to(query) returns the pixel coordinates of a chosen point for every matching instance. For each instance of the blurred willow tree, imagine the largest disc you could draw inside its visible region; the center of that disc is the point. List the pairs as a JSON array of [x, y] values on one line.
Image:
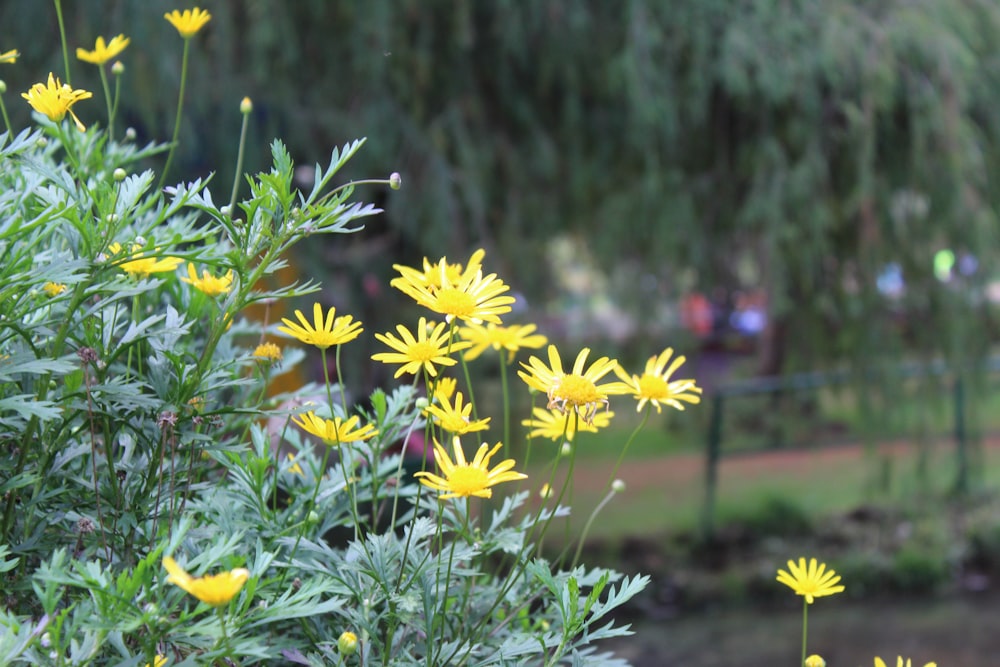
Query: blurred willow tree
[[796, 146]]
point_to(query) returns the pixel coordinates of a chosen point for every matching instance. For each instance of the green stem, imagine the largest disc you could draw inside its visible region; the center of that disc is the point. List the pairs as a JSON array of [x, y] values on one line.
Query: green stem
[[114, 105], [506, 401], [177, 118], [6, 119], [805, 625], [62, 37], [621, 457], [239, 163], [107, 100], [586, 528]]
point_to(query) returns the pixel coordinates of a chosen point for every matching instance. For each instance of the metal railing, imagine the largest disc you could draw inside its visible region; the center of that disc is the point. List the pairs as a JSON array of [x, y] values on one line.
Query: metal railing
[[799, 382]]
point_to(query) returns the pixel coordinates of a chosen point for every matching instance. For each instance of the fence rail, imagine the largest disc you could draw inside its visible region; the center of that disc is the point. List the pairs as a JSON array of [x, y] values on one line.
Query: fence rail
[[799, 382]]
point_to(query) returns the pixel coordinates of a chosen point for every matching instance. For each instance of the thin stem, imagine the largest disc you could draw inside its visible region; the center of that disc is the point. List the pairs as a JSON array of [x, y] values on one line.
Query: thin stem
[[586, 528], [107, 100], [805, 625], [180, 109], [621, 457], [114, 105], [6, 119], [506, 400], [62, 37], [239, 163]]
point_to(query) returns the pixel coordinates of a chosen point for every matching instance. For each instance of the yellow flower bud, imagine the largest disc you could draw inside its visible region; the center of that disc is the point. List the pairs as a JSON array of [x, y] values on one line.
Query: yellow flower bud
[[118, 68], [347, 643], [246, 106], [815, 661]]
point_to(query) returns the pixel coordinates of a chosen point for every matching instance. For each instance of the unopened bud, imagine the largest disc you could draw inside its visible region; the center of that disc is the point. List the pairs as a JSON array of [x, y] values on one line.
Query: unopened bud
[[225, 210], [395, 180], [3, 86], [566, 449], [246, 106], [421, 403], [347, 643], [546, 492], [312, 517], [618, 486], [815, 661], [130, 134], [119, 174], [42, 142], [118, 68], [140, 240]]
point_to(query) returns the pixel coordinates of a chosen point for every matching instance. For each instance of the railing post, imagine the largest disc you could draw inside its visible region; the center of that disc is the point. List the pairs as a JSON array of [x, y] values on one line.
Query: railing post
[[712, 453], [961, 444]]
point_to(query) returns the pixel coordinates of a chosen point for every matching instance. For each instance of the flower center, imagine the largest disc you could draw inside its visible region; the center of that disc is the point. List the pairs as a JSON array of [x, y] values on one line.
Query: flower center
[[423, 351], [653, 386], [455, 302], [576, 390], [467, 480]]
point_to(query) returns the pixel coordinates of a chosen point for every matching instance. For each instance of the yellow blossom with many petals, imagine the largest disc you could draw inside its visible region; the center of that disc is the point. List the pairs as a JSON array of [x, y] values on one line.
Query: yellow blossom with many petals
[[557, 425], [434, 275], [812, 581], [9, 56], [209, 284], [188, 22], [473, 297], [215, 589], [53, 289], [140, 265], [431, 346], [462, 479], [512, 338], [455, 418], [444, 388], [577, 390], [899, 662], [655, 386], [102, 52], [335, 431], [267, 352], [54, 99], [323, 332]]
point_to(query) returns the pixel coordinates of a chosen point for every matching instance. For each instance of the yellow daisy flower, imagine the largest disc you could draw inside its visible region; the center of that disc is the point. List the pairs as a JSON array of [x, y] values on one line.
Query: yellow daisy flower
[[322, 333], [511, 338], [209, 284], [899, 662], [335, 431], [462, 479], [472, 298], [811, 582], [654, 385], [434, 274], [267, 352], [455, 418], [215, 589], [557, 425], [295, 468], [141, 266], [430, 347], [9, 56], [577, 390], [53, 289], [815, 661], [188, 22], [54, 99], [102, 52], [444, 388]]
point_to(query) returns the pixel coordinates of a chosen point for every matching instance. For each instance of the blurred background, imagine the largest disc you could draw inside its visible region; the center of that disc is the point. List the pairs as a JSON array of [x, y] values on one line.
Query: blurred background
[[799, 196]]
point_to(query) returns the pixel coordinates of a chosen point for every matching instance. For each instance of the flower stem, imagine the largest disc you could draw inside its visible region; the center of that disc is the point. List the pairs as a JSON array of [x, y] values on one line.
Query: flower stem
[[6, 119], [506, 401], [586, 528], [621, 457], [177, 118], [62, 37], [239, 167], [107, 101], [805, 626]]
